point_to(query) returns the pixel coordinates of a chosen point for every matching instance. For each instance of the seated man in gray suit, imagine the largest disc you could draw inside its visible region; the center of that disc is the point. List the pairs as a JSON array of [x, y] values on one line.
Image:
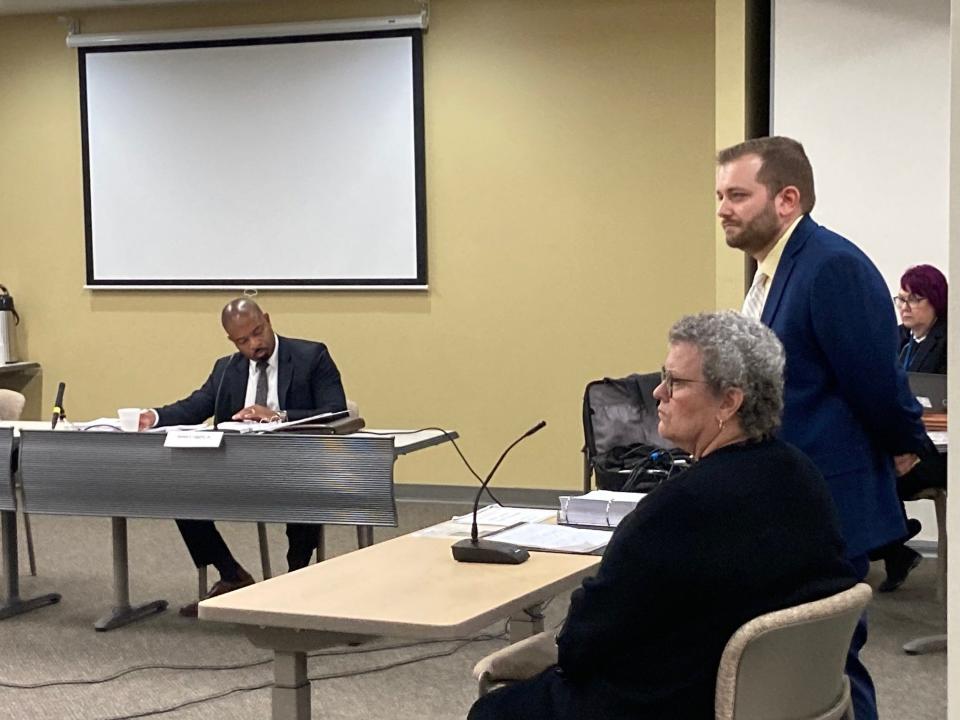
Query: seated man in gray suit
[[270, 377]]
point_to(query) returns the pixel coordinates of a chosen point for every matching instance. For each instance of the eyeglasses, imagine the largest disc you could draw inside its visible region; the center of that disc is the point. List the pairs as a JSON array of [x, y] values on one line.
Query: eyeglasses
[[910, 300], [667, 378]]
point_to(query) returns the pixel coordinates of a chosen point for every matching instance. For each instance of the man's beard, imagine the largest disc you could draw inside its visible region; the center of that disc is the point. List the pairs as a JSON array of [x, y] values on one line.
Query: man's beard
[[757, 233]]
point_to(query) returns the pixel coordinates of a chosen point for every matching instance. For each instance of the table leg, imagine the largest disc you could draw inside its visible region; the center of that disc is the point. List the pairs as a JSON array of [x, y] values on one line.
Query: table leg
[[264, 551], [12, 604], [926, 645], [526, 623], [122, 612], [291, 687], [364, 536]]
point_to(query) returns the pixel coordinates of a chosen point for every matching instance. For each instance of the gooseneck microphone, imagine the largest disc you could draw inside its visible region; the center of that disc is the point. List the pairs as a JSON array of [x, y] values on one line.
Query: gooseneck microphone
[[58, 412], [490, 551], [216, 398]]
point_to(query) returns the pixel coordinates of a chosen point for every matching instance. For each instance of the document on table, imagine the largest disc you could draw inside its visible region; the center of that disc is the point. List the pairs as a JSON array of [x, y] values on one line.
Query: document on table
[[107, 424], [502, 516], [454, 530], [554, 538], [249, 426]]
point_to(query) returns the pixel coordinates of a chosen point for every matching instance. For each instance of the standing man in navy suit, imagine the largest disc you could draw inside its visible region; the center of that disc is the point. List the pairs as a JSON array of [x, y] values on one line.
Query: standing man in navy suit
[[269, 378], [847, 403]]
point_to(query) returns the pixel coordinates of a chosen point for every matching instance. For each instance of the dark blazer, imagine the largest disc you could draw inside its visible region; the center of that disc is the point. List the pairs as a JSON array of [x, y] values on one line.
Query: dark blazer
[[308, 383], [847, 403], [749, 529], [930, 355]]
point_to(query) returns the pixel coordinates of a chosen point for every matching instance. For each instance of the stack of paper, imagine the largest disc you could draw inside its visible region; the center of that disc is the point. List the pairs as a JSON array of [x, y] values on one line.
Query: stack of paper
[[490, 519], [554, 538], [454, 530], [503, 516], [600, 508]]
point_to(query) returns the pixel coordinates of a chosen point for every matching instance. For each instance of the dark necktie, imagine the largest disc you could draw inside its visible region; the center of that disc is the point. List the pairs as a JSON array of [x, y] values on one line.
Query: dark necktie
[[908, 351], [261, 398]]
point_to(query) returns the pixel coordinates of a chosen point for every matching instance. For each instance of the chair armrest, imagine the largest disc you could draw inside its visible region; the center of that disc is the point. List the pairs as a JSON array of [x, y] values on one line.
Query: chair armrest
[[519, 661]]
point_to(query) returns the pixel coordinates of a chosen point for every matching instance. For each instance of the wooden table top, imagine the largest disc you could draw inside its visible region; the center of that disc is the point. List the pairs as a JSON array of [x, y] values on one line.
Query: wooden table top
[[405, 587]]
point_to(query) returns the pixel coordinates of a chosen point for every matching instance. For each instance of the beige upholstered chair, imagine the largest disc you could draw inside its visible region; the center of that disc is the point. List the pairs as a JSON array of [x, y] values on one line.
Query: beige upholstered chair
[[520, 661], [785, 665], [11, 408], [788, 664], [11, 404]]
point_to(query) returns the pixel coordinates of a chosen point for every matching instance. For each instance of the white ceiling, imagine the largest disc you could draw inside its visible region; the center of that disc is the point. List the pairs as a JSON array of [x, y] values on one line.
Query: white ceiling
[[25, 7]]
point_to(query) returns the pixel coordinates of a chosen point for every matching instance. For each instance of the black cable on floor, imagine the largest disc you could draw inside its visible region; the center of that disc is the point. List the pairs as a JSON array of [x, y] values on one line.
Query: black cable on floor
[[237, 666], [325, 676]]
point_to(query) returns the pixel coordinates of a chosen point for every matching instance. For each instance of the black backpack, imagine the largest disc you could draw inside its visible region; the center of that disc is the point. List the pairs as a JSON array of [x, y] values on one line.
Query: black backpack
[[622, 447]]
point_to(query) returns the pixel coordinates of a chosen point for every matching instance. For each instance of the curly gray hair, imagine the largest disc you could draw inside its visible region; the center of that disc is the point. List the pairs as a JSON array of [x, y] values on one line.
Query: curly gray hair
[[739, 352]]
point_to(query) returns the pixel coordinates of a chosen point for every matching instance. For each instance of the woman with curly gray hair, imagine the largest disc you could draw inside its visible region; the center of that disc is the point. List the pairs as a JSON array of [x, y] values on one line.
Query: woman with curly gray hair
[[748, 529], [740, 363]]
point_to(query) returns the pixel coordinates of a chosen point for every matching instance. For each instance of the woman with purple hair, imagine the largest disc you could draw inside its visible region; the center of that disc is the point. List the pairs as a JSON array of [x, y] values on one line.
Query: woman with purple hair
[[922, 304]]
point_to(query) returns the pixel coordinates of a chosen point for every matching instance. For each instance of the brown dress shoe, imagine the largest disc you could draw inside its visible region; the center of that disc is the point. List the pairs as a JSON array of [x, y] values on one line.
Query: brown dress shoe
[[221, 587]]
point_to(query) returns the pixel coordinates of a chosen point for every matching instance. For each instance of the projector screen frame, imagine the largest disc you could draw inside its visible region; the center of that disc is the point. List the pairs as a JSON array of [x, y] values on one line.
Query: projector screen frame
[[419, 282]]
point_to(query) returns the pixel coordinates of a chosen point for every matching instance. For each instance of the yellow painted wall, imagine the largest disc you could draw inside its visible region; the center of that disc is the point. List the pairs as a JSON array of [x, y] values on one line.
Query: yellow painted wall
[[730, 129], [569, 189]]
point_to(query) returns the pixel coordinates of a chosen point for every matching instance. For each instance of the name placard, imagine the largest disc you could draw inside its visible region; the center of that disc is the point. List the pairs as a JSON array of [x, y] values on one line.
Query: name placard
[[191, 439]]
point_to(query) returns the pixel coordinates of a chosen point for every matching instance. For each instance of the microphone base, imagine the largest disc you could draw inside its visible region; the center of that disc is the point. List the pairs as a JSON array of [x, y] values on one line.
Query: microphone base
[[489, 551]]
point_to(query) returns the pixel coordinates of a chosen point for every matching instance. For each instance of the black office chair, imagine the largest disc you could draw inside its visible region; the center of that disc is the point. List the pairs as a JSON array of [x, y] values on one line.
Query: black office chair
[[617, 412]]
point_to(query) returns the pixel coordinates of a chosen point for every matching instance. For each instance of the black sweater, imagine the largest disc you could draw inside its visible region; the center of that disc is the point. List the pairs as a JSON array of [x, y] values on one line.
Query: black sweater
[[749, 529]]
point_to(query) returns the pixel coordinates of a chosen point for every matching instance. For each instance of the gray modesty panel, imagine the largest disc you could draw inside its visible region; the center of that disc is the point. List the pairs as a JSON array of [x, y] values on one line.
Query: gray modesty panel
[[269, 478], [6, 479]]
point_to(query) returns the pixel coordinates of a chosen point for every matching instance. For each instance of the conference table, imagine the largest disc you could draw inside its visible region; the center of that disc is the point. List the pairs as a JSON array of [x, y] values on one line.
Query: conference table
[[268, 477], [408, 587]]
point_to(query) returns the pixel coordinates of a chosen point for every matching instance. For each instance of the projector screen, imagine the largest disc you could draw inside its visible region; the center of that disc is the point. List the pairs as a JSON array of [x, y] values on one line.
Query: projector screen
[[294, 161]]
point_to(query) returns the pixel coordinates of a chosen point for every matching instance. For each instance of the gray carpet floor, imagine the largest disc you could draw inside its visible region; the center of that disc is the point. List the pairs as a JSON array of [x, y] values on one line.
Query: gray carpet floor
[[389, 679]]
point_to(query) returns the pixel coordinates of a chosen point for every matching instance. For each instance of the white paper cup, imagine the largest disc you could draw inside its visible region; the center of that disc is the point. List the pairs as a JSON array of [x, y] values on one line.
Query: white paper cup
[[129, 419]]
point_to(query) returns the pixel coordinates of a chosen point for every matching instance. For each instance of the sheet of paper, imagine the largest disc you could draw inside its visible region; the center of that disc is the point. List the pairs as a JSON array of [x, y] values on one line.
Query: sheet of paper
[[179, 428], [938, 438], [248, 426], [556, 538], [454, 530], [612, 495], [503, 516]]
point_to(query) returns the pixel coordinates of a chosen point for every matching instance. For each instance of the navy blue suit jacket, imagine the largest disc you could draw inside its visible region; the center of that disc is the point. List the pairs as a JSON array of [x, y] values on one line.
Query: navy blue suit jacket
[[308, 383], [847, 403]]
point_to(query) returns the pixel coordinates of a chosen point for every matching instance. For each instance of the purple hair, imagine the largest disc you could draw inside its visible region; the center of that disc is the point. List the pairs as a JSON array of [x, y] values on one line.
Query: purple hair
[[927, 282]]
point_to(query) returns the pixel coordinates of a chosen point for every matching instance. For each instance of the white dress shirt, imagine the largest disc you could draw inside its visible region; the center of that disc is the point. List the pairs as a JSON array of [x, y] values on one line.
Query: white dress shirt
[[253, 375]]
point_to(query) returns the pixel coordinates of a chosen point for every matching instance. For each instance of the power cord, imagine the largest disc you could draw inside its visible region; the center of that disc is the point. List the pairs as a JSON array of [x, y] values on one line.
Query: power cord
[[313, 678], [448, 436], [237, 666]]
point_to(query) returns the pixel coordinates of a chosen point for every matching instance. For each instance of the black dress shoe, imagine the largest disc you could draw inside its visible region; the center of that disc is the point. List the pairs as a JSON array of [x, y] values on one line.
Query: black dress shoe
[[898, 566]]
